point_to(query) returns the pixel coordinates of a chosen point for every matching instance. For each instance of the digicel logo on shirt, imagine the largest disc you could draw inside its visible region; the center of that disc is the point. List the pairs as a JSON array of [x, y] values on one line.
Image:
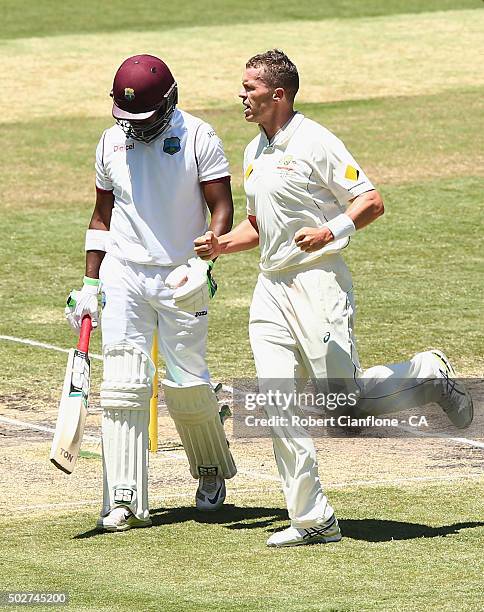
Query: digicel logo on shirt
[[122, 147]]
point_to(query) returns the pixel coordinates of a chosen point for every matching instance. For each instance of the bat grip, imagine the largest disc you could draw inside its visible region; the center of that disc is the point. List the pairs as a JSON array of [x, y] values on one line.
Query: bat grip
[[85, 333]]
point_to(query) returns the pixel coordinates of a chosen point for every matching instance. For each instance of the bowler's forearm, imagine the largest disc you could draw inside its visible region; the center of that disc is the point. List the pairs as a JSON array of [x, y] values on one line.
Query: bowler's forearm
[[241, 238]]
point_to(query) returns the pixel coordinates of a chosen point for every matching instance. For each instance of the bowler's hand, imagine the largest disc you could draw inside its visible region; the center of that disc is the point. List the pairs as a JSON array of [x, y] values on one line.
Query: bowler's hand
[[207, 246], [310, 239]]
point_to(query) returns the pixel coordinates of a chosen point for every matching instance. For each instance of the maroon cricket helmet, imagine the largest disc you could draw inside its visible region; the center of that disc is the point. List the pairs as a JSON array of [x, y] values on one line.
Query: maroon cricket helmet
[[140, 87]]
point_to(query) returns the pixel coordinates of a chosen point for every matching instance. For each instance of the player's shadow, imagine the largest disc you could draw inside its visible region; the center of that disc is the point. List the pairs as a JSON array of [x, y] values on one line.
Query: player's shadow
[[234, 517], [231, 516], [381, 530]]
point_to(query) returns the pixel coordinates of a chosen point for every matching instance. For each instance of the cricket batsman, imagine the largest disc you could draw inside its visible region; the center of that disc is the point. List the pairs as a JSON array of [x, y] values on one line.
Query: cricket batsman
[[162, 179], [306, 196]]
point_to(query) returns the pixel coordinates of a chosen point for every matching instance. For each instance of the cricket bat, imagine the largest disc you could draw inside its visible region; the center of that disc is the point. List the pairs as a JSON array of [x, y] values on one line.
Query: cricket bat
[[73, 404]]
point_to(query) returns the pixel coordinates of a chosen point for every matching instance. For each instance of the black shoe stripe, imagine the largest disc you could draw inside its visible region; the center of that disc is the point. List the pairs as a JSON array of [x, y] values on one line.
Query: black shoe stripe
[[312, 532]]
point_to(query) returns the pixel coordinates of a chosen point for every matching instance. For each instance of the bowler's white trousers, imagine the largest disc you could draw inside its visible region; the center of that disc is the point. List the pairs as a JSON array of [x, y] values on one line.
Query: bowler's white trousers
[[301, 326]]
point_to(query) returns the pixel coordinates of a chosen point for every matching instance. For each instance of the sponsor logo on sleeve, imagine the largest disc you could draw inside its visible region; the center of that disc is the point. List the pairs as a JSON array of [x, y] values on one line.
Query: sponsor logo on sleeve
[[352, 173], [248, 172]]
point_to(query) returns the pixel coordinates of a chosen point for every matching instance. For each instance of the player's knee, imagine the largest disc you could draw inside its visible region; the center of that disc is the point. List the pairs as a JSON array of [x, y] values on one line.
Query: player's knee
[[127, 378]]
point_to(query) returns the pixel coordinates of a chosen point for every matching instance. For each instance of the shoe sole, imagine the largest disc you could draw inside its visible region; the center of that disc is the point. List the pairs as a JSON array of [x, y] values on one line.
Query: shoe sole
[[316, 540], [210, 508], [125, 527], [307, 542], [445, 360]]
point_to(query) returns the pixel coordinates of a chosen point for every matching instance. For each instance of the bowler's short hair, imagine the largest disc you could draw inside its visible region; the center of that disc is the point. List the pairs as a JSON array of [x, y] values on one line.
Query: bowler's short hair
[[278, 70]]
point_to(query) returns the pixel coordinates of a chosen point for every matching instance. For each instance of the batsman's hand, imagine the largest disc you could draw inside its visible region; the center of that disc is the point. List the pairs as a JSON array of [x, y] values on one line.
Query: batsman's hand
[[207, 247], [193, 285], [82, 303], [310, 239]]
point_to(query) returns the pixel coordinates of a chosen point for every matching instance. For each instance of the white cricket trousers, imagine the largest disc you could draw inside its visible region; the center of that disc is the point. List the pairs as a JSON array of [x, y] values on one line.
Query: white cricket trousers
[[137, 303], [301, 326]]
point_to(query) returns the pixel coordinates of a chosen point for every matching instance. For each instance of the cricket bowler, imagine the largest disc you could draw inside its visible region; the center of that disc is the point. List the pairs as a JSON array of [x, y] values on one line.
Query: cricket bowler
[[306, 196], [160, 174]]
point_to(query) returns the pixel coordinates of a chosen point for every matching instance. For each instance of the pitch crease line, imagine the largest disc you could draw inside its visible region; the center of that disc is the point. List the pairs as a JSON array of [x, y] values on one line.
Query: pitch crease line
[[97, 439], [37, 427], [227, 388]]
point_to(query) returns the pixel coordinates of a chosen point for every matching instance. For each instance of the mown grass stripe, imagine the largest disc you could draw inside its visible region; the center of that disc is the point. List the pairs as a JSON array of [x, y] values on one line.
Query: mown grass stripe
[[21, 18], [338, 60]]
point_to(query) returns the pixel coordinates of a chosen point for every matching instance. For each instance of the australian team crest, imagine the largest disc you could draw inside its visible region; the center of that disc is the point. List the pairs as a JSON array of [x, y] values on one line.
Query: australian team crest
[[171, 145]]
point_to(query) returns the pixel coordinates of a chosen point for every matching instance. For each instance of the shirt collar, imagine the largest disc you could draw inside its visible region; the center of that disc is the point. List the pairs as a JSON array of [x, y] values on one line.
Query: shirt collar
[[281, 137]]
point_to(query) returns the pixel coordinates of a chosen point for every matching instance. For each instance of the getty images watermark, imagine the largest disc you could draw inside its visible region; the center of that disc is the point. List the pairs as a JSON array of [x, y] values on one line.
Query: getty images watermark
[[343, 407]]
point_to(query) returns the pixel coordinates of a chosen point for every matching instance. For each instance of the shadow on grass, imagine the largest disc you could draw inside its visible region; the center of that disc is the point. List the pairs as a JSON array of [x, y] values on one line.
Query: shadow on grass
[[380, 530], [233, 517]]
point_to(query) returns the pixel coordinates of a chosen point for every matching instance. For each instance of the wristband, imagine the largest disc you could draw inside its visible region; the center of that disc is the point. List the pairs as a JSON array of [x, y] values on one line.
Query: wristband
[[341, 226], [91, 282], [96, 240]]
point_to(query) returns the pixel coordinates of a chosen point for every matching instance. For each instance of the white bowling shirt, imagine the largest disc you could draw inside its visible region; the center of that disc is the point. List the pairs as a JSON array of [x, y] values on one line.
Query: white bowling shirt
[[302, 178], [159, 207]]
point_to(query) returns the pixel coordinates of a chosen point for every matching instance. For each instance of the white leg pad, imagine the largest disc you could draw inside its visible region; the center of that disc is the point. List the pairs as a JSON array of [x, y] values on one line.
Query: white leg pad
[[125, 398], [194, 409]]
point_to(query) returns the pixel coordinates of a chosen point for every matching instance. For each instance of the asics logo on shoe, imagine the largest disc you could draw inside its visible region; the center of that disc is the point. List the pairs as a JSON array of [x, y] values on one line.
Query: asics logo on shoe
[[450, 384], [318, 531]]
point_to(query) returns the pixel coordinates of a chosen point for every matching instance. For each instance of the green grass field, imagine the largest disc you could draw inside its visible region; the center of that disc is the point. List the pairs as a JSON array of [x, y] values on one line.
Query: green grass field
[[223, 563], [401, 84]]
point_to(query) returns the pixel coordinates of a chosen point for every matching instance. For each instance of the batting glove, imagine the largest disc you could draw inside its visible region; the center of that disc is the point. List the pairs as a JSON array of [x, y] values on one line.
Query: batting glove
[[83, 302], [193, 284]]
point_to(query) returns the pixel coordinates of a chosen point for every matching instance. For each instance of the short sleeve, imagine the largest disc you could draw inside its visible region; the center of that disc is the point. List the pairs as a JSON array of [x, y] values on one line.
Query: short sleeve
[[340, 171], [211, 161], [249, 205], [102, 180], [346, 179]]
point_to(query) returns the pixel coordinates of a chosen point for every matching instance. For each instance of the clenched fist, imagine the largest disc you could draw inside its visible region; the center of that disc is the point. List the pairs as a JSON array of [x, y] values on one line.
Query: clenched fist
[[310, 239], [207, 246]]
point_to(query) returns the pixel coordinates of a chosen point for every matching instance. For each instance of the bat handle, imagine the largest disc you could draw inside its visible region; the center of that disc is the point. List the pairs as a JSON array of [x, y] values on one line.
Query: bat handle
[[85, 333]]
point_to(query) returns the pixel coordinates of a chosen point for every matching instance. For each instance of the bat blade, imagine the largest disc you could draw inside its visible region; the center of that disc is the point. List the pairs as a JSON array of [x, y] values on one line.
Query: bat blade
[[72, 411]]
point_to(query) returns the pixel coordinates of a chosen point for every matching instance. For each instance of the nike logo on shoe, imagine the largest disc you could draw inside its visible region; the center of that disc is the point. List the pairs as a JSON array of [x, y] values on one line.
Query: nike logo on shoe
[[214, 499]]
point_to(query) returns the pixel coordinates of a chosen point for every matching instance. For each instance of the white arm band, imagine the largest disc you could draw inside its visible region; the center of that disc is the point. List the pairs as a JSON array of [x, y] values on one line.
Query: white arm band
[[341, 226], [96, 240]]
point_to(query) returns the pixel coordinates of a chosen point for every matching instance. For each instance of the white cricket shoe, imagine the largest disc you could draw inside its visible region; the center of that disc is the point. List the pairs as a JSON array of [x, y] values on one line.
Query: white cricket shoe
[[319, 534], [121, 519], [210, 493], [456, 401]]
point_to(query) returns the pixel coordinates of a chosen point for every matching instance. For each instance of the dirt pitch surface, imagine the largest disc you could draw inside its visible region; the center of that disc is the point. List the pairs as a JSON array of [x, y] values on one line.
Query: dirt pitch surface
[[31, 484]]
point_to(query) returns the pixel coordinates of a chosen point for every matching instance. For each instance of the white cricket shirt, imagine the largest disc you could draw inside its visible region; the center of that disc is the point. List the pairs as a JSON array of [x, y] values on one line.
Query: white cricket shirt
[[304, 177], [159, 208]]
